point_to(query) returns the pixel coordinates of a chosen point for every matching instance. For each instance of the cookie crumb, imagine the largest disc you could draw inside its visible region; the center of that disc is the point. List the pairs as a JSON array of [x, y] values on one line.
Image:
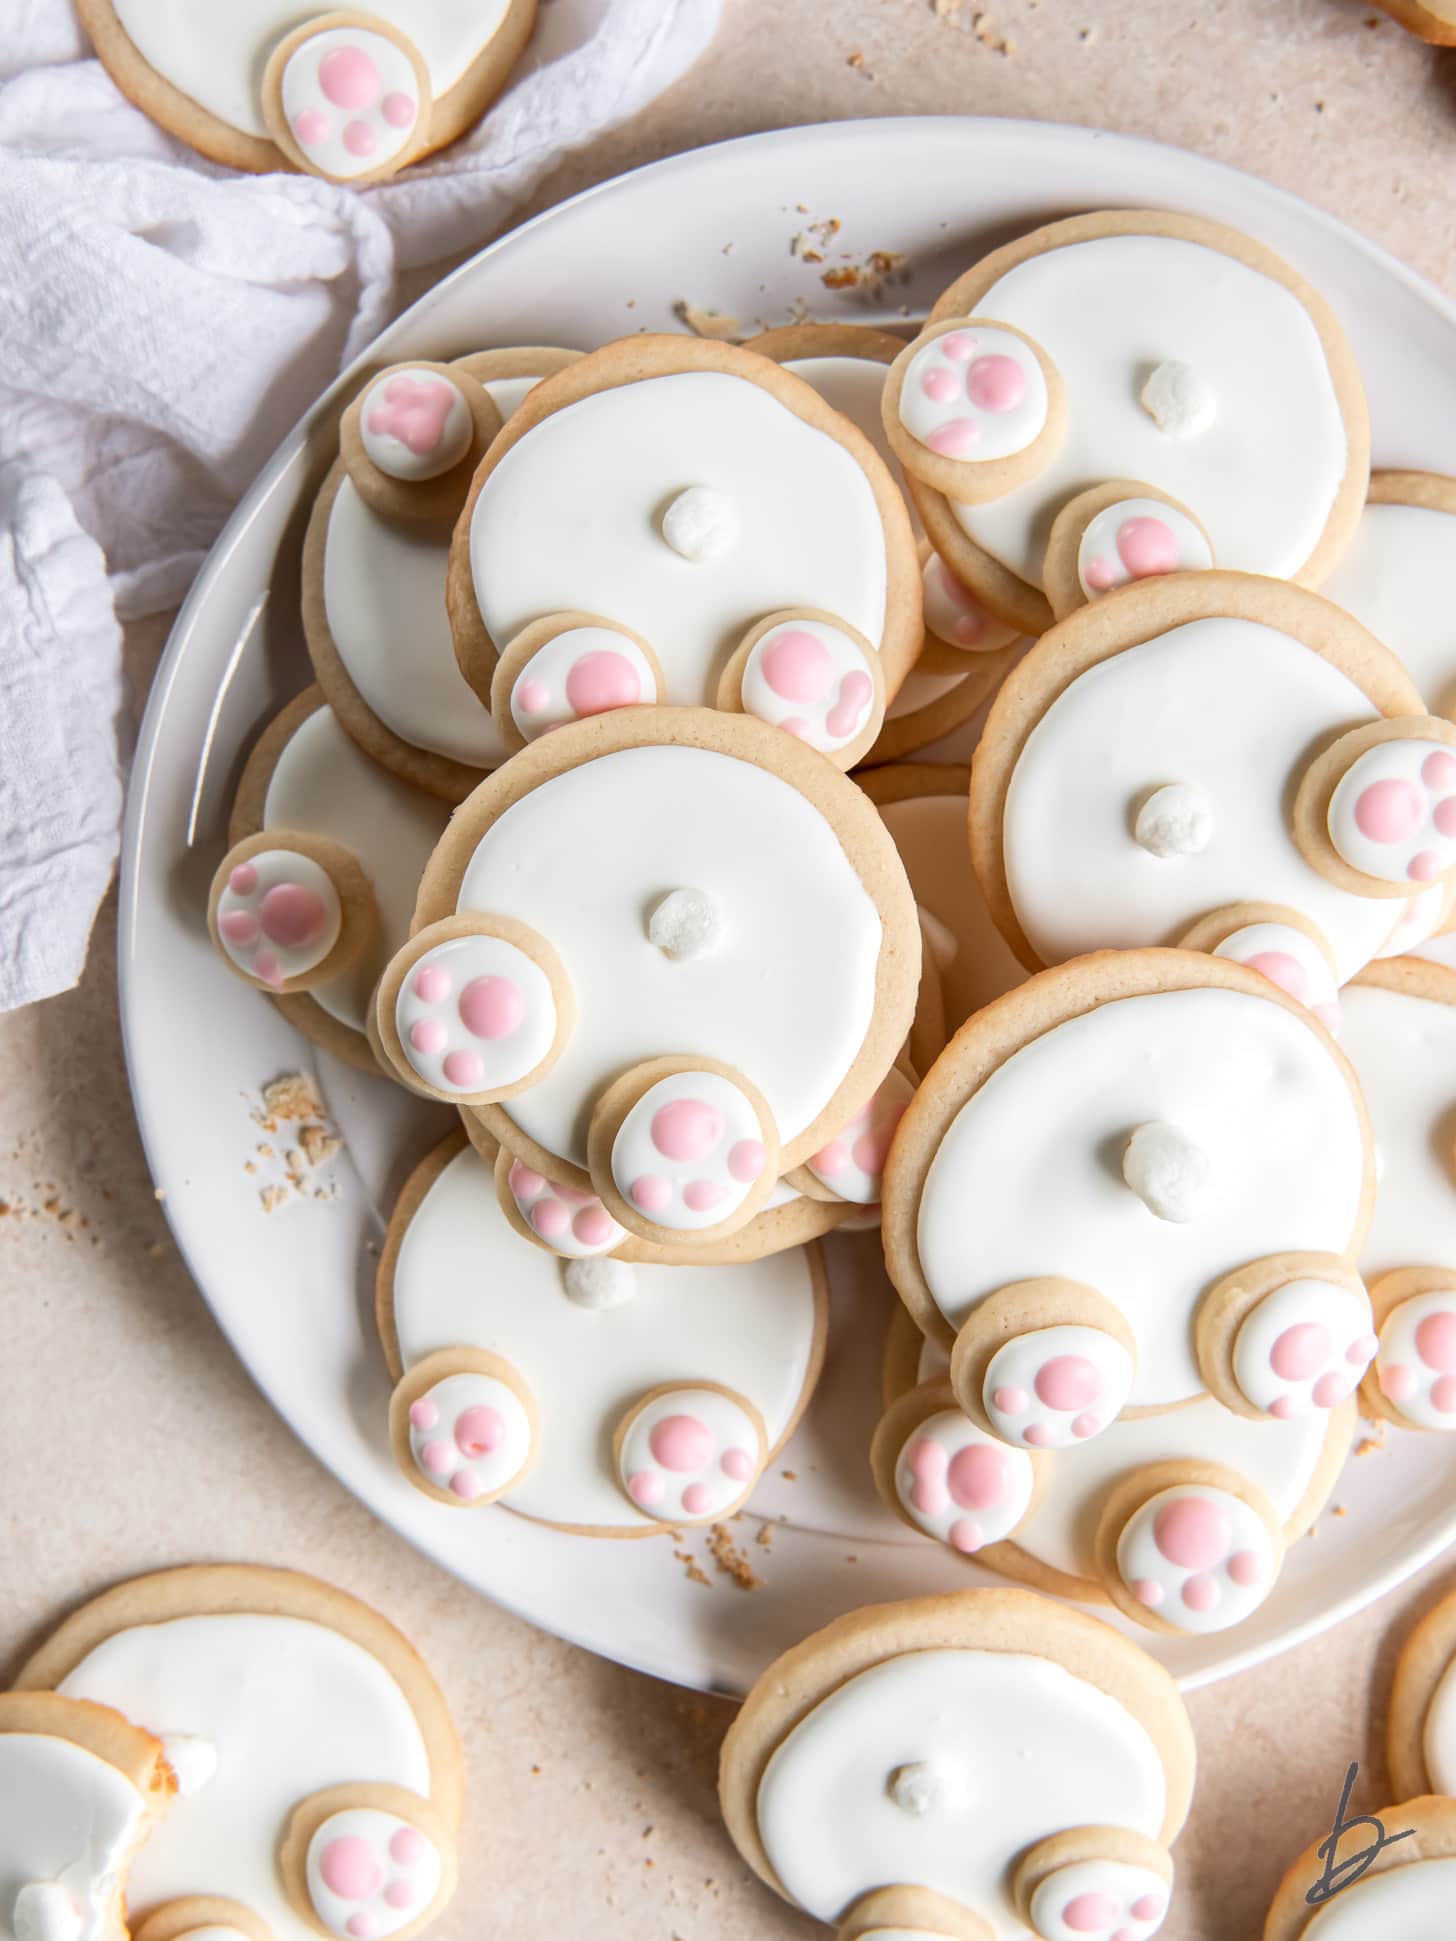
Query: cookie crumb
[[765, 1536], [692, 1570], [318, 1144], [159, 1193], [857, 61], [273, 1197], [730, 1560], [292, 1097], [714, 324], [869, 275], [1339, 1510], [946, 9]]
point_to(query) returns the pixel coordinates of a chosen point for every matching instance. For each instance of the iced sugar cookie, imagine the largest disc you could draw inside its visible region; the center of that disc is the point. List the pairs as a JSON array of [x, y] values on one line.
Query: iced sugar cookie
[[352, 95], [931, 705], [1188, 1547], [374, 582], [1116, 533], [846, 364], [1398, 578], [872, 1758], [655, 1395], [1407, 1889], [1432, 20], [82, 1790], [1421, 1730], [974, 408], [345, 841], [706, 491], [318, 1774], [1183, 346], [676, 1085], [1233, 721], [956, 623], [1118, 1136], [947, 1478]]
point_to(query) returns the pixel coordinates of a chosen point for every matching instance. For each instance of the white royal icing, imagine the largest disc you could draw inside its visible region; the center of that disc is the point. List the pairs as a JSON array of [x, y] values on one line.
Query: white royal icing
[[975, 394], [351, 99], [1290, 958], [581, 672], [572, 1221], [292, 1708], [960, 1485], [325, 785], [1228, 706], [1198, 1557], [1179, 399], [1412, 1901], [415, 425], [600, 471], [596, 1283], [1398, 578], [583, 857], [1057, 1387], [1175, 820], [1438, 1739], [1416, 1364], [470, 1435], [1138, 539], [279, 915], [475, 1013], [684, 925], [216, 56], [369, 1873], [1420, 920], [1035, 1748], [701, 524], [689, 1152], [1024, 1167], [1304, 1346], [193, 1760], [853, 385], [465, 1280], [852, 1165], [1168, 1170], [1404, 1052], [1393, 811], [811, 680], [1107, 311], [1099, 1900], [954, 614], [689, 1455], [69, 1822], [384, 599]]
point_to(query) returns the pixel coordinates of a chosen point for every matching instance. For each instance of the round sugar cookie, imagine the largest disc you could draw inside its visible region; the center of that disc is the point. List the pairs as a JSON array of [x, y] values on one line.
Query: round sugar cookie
[[871, 1757], [412, 437], [973, 408], [1430, 20], [1398, 578], [1420, 1733], [592, 1339], [1406, 1890], [930, 705], [1188, 1548], [1115, 533], [1183, 346]]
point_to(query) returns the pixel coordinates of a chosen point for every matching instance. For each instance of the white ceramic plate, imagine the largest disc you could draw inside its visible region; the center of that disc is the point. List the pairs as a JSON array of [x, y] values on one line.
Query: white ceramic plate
[[294, 1290]]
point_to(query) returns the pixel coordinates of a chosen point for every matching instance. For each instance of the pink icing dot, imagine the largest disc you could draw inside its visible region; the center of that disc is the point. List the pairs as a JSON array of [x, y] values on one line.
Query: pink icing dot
[[1281, 969], [686, 1129], [926, 1459], [360, 139], [349, 78], [431, 983], [492, 1007], [268, 968], [697, 1498], [958, 593], [437, 1457], [549, 1218], [1068, 1382], [429, 1036], [466, 1485], [408, 1846], [1331, 1389], [977, 1476], [966, 1535], [401, 1893], [592, 1226], [293, 916], [939, 384], [702, 1195], [856, 691], [958, 345], [1200, 1593], [464, 1069], [1445, 816], [349, 1868], [736, 1463], [1192, 1532], [746, 1159], [1148, 1907], [1282, 1408], [1436, 1342], [1037, 1434], [1147, 1590], [958, 439], [1443, 1395], [1424, 868], [243, 879], [361, 1927], [479, 1431], [1084, 1426], [870, 1149], [239, 927], [646, 1488], [1398, 1383], [969, 628], [651, 1192], [423, 1414], [1389, 811], [1301, 1351], [312, 128], [1362, 1352], [797, 665], [1244, 1568], [832, 1160], [1438, 771], [532, 697], [1099, 574], [996, 383], [1330, 1016], [1147, 547], [398, 109], [1010, 1400], [601, 681], [525, 1183], [681, 1442], [1089, 1912]]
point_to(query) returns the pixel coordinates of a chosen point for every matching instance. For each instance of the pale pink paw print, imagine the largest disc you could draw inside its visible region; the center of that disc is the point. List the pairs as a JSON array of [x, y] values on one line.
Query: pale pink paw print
[[278, 916], [812, 680], [1198, 1557], [852, 1165], [582, 672], [370, 1873], [1393, 812], [689, 1152], [954, 614], [959, 1485], [415, 425], [1416, 1362], [1291, 959], [470, 1436], [1052, 1388], [351, 99], [475, 1014], [1303, 1347], [689, 1455], [974, 393], [1099, 1900], [1138, 539], [570, 1220]]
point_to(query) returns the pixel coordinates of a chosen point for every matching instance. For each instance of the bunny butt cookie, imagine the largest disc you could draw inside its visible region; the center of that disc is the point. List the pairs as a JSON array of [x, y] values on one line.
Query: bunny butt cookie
[[1246, 356], [1255, 746], [352, 95], [866, 1778], [1407, 1889], [1399, 576], [606, 1396], [317, 1773], [587, 967], [81, 1789], [709, 493], [846, 364], [1119, 1136]]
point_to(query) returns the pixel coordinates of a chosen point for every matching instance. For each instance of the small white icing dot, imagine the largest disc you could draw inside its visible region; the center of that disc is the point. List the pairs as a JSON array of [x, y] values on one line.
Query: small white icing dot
[[1167, 1171], [598, 1282], [924, 1787], [45, 1911], [684, 925], [701, 524], [193, 1761], [1174, 821], [1179, 400]]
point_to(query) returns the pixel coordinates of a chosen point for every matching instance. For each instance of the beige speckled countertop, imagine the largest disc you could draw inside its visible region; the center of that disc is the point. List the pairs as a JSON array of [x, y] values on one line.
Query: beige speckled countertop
[[133, 1439]]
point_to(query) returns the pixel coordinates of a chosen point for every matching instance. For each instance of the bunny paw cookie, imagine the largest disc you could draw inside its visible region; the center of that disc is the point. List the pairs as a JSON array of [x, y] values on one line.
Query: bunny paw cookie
[[1116, 533], [317, 1774], [866, 1780], [350, 94], [1405, 1889]]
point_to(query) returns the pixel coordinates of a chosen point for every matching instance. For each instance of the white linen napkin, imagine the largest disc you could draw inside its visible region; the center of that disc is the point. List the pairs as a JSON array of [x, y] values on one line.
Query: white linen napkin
[[163, 322]]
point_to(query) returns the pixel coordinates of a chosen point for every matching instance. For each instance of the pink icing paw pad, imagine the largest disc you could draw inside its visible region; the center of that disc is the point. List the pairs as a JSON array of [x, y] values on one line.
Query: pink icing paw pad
[[813, 680], [1393, 812], [415, 425], [1290, 958], [582, 672], [853, 1163], [475, 1014], [352, 100], [1416, 1362], [470, 1436], [689, 1152], [568, 1219], [1198, 1557], [1304, 1347], [974, 393], [1099, 1900], [954, 614], [959, 1485], [278, 916], [1137, 539], [1055, 1387], [370, 1873], [689, 1454]]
